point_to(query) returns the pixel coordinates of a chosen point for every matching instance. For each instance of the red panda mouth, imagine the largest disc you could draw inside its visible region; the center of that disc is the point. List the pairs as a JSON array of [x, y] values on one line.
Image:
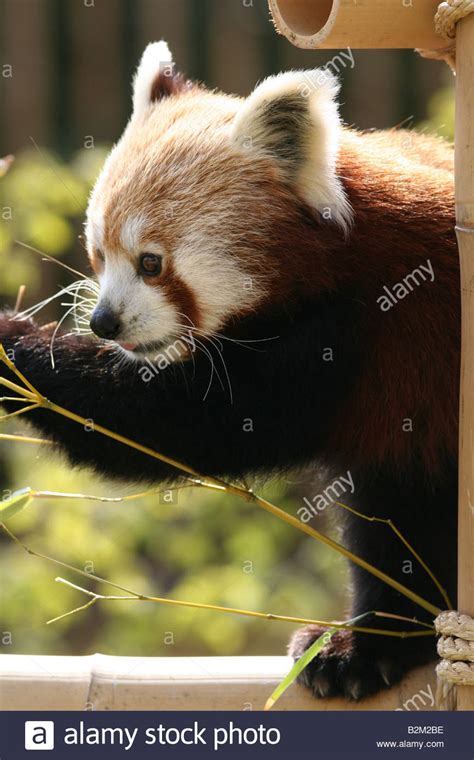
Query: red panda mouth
[[143, 348], [166, 349], [127, 346]]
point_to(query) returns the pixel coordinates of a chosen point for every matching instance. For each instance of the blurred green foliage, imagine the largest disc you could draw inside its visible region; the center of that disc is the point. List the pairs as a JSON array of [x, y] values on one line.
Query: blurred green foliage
[[42, 204], [201, 547], [440, 111]]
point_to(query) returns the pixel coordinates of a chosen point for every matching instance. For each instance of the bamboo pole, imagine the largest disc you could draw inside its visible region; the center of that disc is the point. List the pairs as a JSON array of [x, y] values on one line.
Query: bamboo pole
[[464, 174], [101, 682], [371, 24]]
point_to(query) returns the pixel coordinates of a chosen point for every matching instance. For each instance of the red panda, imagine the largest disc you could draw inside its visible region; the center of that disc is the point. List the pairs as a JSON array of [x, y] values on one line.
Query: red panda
[[239, 220]]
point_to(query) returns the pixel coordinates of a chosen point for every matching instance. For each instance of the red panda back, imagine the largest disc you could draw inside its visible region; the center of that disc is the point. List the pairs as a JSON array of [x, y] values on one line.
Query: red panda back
[[400, 185]]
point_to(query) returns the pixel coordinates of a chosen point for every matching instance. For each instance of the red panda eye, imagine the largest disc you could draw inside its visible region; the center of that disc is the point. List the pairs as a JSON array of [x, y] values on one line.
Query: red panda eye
[[100, 255], [150, 264]]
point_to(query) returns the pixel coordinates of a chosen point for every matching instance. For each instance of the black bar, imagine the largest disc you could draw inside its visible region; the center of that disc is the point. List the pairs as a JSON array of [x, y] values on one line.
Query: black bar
[[276, 735]]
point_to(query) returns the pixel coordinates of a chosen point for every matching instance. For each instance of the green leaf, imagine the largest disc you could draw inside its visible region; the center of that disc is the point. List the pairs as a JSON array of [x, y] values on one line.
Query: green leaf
[[17, 501], [308, 656], [300, 665]]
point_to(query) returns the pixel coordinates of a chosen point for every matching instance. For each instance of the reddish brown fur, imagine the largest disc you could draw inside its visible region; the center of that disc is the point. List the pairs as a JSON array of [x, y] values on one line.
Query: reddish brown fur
[[400, 186], [180, 294], [404, 214]]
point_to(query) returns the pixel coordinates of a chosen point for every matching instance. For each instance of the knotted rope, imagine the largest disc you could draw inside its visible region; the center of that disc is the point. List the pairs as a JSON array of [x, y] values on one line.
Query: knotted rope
[[446, 18], [456, 648]]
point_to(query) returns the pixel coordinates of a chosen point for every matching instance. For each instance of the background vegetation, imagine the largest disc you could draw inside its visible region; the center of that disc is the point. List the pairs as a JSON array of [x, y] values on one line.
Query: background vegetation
[[70, 84]]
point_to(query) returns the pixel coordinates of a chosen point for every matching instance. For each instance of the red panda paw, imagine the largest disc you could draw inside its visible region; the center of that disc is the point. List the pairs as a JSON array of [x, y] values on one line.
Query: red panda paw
[[346, 669]]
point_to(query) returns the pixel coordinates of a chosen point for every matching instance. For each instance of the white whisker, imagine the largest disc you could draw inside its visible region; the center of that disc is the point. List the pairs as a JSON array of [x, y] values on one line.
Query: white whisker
[[207, 353], [53, 337], [238, 341], [203, 348], [84, 294], [220, 352], [73, 289]]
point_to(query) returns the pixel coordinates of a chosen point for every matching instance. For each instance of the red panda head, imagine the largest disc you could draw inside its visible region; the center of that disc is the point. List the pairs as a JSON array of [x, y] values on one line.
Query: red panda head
[[182, 220]]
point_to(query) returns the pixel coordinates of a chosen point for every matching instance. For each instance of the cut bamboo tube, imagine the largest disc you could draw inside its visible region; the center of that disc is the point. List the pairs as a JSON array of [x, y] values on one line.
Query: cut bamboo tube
[[344, 23], [464, 173]]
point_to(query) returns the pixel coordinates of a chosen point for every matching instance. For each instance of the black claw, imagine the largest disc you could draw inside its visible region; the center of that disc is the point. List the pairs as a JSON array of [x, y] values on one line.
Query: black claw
[[346, 669]]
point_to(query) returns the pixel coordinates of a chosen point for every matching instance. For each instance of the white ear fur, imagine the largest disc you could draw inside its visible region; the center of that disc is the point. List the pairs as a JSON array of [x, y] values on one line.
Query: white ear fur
[[156, 56], [293, 118]]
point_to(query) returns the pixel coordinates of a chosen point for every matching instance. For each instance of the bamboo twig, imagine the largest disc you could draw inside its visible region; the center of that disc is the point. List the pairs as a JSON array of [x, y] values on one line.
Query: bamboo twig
[[19, 298], [24, 439], [232, 610], [393, 527], [213, 482], [134, 596], [23, 410], [52, 259]]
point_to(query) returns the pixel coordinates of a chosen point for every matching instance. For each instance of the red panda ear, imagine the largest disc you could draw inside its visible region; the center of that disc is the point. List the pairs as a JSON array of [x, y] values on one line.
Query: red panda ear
[[167, 82], [293, 119], [156, 77]]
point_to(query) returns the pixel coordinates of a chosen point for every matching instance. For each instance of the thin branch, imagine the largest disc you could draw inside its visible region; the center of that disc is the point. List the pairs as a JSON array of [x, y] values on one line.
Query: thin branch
[[19, 298], [134, 596], [11, 398], [47, 257], [19, 411], [107, 499], [24, 439], [235, 611], [399, 534], [213, 482], [28, 395]]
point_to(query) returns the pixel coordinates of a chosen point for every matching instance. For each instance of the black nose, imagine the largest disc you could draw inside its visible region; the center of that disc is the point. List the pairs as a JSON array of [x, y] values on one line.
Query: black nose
[[105, 323]]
